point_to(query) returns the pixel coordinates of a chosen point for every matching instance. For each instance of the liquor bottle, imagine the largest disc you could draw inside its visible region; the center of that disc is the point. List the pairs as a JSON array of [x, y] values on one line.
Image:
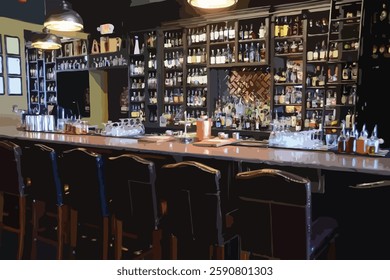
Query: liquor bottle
[[383, 15], [216, 33], [345, 75], [212, 57], [262, 53], [246, 32], [341, 141], [252, 53], [252, 34], [361, 142], [316, 53], [220, 34], [277, 28], [212, 33], [262, 31], [286, 27], [321, 77], [246, 54], [350, 146], [226, 32], [323, 51], [373, 142], [335, 51], [298, 125], [232, 33], [241, 33], [295, 28]]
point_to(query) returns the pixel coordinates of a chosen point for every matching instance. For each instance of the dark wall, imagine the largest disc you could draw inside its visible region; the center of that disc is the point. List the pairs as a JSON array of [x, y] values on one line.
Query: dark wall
[[32, 11], [72, 87]]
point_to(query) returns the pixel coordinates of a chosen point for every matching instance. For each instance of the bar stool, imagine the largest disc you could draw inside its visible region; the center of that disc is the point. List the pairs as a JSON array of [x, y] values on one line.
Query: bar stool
[[82, 174], [12, 194], [49, 214], [274, 221], [194, 217], [133, 207]]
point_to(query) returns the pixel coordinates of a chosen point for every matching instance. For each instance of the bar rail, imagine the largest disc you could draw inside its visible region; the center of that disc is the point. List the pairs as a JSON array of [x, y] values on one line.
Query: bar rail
[[324, 160]]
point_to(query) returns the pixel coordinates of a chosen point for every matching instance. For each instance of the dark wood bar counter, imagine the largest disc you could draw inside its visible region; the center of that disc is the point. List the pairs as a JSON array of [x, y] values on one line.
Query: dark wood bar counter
[[324, 160], [359, 212]]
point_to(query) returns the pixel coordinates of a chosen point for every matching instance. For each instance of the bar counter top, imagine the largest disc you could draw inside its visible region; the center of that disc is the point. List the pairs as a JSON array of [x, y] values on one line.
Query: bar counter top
[[326, 160]]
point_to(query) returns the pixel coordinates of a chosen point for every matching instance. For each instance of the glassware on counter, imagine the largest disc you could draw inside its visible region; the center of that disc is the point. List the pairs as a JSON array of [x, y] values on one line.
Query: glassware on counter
[[125, 127]]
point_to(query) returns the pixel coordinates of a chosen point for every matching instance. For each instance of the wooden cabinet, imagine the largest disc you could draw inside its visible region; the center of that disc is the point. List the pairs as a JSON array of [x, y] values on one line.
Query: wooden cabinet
[[42, 70]]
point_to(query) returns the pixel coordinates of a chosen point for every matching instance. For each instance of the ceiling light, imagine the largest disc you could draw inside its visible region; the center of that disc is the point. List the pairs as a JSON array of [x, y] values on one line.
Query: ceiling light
[[46, 41], [215, 4], [64, 19]]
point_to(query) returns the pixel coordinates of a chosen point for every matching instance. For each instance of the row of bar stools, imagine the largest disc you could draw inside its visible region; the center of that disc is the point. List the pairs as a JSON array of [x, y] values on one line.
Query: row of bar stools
[[49, 214], [272, 219], [12, 194]]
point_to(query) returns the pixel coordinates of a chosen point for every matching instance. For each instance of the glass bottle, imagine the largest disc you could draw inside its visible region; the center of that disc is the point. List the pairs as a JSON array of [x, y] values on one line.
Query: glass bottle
[[373, 142], [136, 45], [262, 31], [350, 146], [361, 142], [341, 141]]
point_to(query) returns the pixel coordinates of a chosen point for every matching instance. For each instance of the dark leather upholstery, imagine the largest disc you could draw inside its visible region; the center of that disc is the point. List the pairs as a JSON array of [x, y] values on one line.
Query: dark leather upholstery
[[82, 173], [40, 169], [12, 193], [274, 216], [194, 214], [133, 206]]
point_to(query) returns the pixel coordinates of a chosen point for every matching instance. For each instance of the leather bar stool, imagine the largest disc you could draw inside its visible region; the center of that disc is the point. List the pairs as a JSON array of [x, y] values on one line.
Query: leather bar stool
[[12, 194], [82, 173], [49, 214], [194, 218], [133, 207], [274, 220]]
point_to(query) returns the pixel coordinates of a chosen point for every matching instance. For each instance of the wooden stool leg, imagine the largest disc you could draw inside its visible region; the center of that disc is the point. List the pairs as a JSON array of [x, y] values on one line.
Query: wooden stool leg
[[105, 238], [118, 239], [1, 214], [244, 255], [173, 247], [156, 243], [219, 252], [73, 231], [22, 226], [60, 232]]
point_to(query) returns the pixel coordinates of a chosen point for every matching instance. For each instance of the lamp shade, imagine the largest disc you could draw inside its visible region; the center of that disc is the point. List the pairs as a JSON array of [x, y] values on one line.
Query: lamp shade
[[46, 41], [64, 19], [215, 4]]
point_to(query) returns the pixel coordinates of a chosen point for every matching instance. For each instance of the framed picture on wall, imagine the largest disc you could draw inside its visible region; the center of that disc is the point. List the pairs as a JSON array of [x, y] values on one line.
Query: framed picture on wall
[[14, 85], [12, 45], [1, 68], [14, 65], [1, 85]]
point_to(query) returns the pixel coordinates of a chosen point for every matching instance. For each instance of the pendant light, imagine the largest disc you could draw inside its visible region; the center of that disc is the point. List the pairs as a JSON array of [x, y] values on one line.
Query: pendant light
[[46, 41], [215, 4], [64, 19]]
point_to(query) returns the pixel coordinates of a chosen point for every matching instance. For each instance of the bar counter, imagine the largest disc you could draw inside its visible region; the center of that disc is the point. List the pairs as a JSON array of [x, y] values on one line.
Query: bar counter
[[323, 160]]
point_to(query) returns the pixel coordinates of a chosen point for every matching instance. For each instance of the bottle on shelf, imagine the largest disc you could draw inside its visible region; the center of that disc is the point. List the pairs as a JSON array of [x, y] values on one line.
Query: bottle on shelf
[[342, 139], [373, 142], [136, 45]]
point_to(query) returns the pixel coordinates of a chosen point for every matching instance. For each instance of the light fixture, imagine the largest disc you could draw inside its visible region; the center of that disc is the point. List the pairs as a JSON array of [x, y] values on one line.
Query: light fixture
[[64, 19], [46, 41], [212, 4]]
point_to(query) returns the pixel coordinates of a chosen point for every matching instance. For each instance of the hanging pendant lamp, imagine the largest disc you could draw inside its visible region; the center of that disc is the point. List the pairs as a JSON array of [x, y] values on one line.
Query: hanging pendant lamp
[[212, 4], [46, 41], [64, 19]]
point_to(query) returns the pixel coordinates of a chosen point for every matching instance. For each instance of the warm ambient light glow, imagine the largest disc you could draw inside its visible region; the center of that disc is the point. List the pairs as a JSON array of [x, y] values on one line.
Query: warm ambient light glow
[[64, 19], [47, 42], [212, 4]]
